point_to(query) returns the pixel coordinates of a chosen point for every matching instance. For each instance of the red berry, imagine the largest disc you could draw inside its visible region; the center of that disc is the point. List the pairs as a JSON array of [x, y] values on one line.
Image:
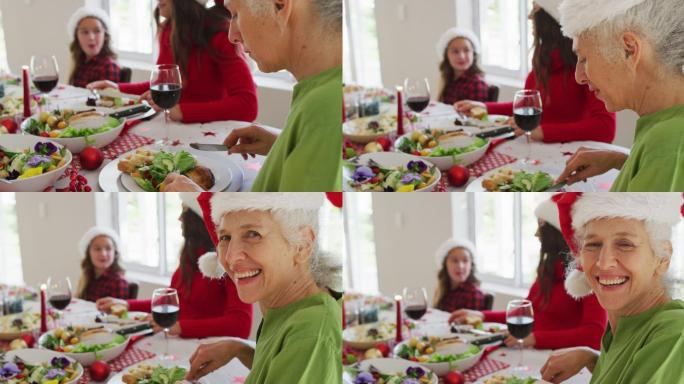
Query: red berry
[[375, 170], [81, 178], [87, 188], [44, 134]]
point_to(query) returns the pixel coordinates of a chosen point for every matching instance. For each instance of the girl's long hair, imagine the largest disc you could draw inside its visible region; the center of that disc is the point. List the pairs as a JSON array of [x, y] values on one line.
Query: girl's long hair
[[197, 240], [553, 249]]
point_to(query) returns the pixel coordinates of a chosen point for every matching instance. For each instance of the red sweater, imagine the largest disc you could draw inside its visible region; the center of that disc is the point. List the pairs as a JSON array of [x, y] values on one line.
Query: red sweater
[[571, 111], [564, 322], [218, 87], [212, 308]]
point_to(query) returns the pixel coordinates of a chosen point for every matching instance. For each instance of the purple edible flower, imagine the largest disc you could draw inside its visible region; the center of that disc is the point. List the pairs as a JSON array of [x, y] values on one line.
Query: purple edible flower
[[416, 166], [46, 148], [409, 178], [38, 160], [364, 378], [363, 173], [54, 373], [13, 175], [416, 372], [9, 370], [60, 362]]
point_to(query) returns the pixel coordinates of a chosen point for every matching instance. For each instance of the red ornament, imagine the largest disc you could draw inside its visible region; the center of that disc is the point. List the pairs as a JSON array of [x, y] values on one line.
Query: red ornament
[[91, 158], [384, 348], [99, 371], [28, 339], [384, 142], [454, 377], [458, 176], [10, 124]]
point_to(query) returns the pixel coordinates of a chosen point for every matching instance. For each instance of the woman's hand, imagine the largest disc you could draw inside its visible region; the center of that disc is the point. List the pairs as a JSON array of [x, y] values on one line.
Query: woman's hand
[[565, 363], [175, 330], [209, 357], [537, 134], [175, 182], [528, 342], [250, 141], [464, 106], [588, 162], [105, 304], [102, 84], [460, 315], [175, 112]]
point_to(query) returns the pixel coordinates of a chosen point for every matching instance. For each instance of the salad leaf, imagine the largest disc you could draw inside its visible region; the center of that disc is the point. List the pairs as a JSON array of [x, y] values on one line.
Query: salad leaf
[[184, 162], [145, 184]]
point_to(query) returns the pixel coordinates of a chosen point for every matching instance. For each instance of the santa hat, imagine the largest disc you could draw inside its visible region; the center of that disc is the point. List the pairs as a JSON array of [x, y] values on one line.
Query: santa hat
[[454, 33], [551, 7], [94, 232], [189, 199], [577, 16], [216, 205], [547, 211], [85, 12], [575, 210], [447, 246]]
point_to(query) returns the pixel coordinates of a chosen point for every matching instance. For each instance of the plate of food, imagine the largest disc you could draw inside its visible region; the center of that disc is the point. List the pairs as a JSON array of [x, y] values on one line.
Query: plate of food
[[144, 169], [151, 372], [480, 118], [13, 326], [516, 178], [84, 344], [366, 129], [390, 172], [75, 129], [510, 379], [111, 98], [389, 371], [28, 366], [443, 147], [439, 354], [366, 336], [11, 106], [30, 164]]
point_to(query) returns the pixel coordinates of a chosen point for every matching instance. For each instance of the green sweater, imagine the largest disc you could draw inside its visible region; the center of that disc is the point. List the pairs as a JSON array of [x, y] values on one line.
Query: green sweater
[[646, 348], [307, 157], [300, 343], [656, 162]]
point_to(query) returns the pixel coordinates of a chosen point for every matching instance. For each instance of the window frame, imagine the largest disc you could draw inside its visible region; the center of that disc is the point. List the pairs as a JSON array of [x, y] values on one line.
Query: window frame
[[132, 55]]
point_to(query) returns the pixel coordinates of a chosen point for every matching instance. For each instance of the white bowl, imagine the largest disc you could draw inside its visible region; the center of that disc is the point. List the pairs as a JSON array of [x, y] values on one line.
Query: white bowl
[[391, 366], [36, 183], [446, 162], [87, 358], [351, 129], [351, 336], [77, 144], [390, 160], [39, 356], [442, 369]]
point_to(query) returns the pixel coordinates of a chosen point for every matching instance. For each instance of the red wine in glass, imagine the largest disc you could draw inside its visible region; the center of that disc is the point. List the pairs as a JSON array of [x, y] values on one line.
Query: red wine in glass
[[165, 309], [45, 83], [60, 301], [418, 103], [417, 93], [59, 293], [45, 74], [166, 95], [527, 112], [415, 312], [165, 89], [527, 118], [520, 321], [165, 315], [520, 326]]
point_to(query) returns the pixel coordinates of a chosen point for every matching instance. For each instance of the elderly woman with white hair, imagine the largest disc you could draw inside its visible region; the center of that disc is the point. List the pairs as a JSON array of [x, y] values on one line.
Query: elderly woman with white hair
[[622, 244], [631, 55], [267, 244], [305, 38]]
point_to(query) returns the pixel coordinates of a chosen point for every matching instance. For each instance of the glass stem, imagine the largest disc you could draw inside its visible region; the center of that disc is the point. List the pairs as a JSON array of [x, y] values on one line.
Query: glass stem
[[166, 342], [529, 146], [520, 363]]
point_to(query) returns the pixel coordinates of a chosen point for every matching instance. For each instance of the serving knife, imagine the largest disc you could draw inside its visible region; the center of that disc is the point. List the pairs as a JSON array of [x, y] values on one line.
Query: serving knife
[[209, 147]]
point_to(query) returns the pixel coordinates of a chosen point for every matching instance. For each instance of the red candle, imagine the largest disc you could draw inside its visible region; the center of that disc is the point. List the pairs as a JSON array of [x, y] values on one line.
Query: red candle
[[400, 112], [27, 95], [397, 301], [43, 310]]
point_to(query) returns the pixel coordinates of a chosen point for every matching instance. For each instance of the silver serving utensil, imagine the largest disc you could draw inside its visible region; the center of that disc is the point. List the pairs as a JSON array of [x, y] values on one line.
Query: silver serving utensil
[[209, 147]]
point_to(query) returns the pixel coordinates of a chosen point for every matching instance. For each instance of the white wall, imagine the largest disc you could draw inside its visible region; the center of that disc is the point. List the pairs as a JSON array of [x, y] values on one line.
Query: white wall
[[407, 33]]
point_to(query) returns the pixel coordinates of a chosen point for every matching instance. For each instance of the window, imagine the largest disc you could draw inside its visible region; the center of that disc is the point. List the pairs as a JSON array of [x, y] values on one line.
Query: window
[[360, 40], [360, 264], [133, 27], [11, 272], [505, 34]]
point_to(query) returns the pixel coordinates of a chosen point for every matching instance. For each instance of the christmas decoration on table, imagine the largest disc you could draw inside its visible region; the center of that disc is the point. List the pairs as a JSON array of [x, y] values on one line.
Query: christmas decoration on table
[[209, 133], [458, 176], [99, 370], [91, 158]]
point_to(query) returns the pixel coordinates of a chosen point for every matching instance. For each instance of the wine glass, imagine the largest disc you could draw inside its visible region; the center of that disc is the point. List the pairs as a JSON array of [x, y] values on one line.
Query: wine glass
[[520, 319], [59, 294], [45, 75], [417, 95], [165, 309], [165, 89], [527, 112], [415, 303]]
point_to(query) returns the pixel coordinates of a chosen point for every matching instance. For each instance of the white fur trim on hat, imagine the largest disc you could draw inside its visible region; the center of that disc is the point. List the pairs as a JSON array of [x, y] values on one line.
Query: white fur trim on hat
[[94, 232], [547, 211], [222, 203], [578, 16], [210, 267], [189, 199], [84, 12], [450, 244], [454, 33], [656, 207], [551, 7], [576, 284]]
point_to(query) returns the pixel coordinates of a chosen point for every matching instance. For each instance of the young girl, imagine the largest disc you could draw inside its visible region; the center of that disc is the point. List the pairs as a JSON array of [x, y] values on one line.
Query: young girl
[[101, 276], [559, 320], [92, 57], [571, 111], [461, 76], [217, 83], [457, 287], [209, 307]]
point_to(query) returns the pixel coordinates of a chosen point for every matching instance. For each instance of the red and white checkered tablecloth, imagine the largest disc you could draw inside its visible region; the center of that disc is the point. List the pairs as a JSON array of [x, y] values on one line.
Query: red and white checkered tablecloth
[[491, 160], [129, 357], [483, 368]]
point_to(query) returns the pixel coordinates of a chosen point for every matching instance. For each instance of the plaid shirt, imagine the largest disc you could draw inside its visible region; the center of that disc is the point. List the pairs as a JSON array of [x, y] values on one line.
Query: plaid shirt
[[110, 284], [98, 68], [466, 87], [467, 296]]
